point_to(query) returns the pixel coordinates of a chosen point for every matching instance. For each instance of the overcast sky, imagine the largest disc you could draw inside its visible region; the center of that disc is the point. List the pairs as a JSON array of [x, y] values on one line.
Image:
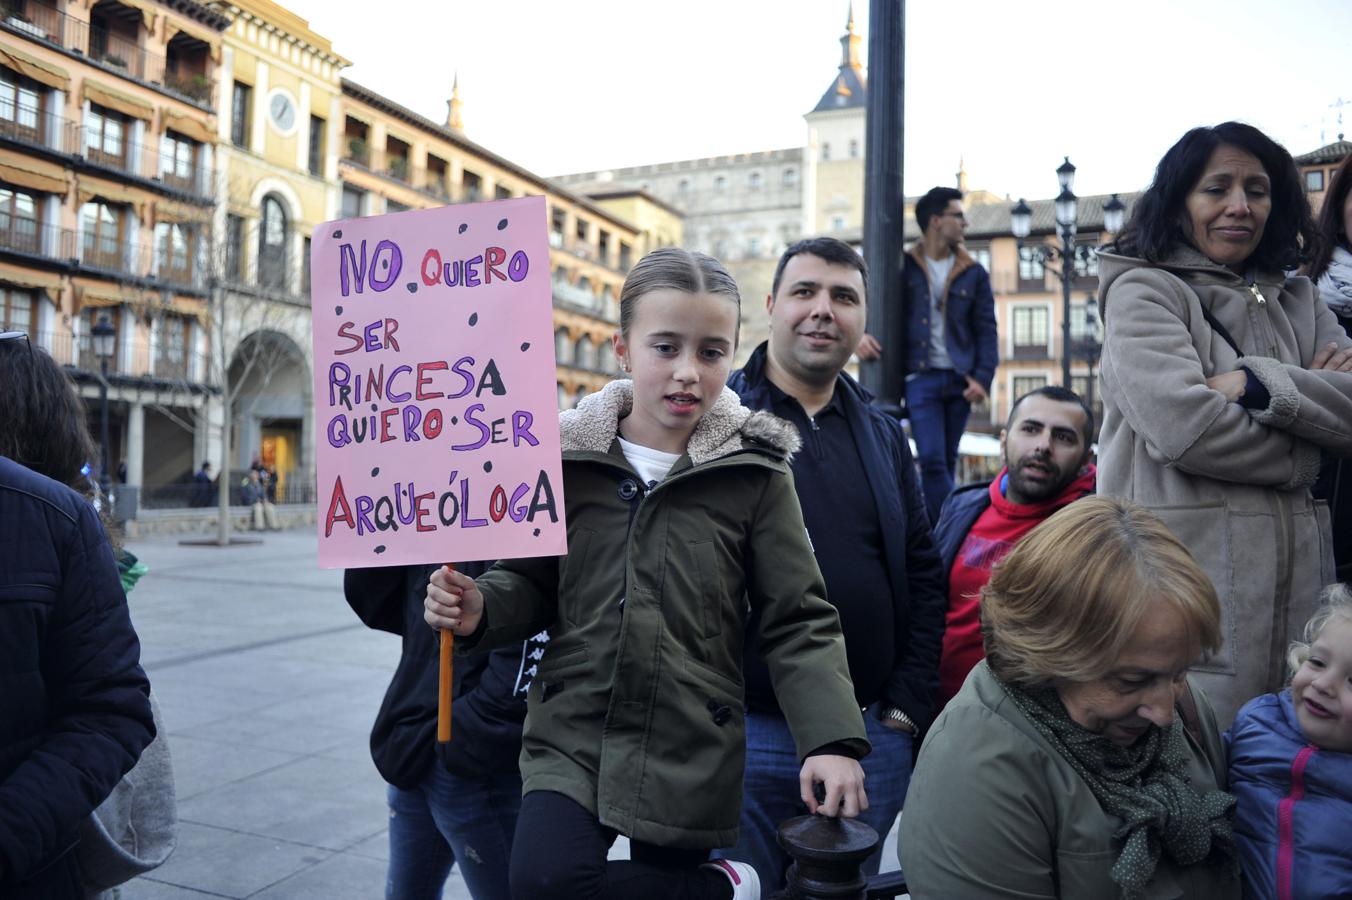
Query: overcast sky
[[576, 85]]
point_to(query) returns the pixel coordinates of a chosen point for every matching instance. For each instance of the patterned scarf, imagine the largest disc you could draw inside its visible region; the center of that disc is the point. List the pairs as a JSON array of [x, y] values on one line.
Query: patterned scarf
[[1146, 785], [1335, 288]]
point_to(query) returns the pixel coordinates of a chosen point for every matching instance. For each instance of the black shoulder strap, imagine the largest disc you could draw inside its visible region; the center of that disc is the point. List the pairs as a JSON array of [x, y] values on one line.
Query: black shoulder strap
[[1187, 709], [1211, 320], [1217, 327]]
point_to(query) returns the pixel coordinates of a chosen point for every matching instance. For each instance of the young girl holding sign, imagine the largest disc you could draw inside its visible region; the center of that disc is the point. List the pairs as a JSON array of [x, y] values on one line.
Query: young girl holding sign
[[681, 511]]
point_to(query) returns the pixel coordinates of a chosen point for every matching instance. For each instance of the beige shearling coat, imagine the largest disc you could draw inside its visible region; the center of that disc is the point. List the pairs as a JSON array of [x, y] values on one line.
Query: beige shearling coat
[[1232, 483]]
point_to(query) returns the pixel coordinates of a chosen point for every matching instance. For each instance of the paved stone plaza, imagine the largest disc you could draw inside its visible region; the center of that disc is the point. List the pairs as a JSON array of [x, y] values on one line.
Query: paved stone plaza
[[269, 686]]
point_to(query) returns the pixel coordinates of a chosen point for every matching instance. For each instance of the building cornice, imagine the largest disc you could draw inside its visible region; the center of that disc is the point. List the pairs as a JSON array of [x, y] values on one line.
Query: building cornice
[[385, 105]]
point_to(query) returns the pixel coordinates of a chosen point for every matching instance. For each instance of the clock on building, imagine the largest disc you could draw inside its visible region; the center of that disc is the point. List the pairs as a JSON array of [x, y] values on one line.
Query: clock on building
[[282, 109]]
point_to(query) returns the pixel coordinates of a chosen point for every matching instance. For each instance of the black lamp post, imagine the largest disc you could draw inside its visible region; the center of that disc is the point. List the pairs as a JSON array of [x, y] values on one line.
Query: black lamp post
[[105, 341], [1091, 344], [1067, 223]]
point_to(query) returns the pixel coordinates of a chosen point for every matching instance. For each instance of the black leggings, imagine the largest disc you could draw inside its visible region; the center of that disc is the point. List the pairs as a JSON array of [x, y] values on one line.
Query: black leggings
[[559, 853]]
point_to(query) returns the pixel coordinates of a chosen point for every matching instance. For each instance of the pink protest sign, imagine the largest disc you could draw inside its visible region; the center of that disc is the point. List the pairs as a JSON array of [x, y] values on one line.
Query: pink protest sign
[[436, 421]]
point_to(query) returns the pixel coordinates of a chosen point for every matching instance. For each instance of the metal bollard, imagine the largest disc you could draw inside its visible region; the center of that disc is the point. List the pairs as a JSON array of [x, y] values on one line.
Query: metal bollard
[[827, 855]]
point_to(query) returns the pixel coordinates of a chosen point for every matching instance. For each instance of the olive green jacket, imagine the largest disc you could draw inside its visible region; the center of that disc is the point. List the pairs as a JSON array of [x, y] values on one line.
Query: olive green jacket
[[635, 711], [995, 811]]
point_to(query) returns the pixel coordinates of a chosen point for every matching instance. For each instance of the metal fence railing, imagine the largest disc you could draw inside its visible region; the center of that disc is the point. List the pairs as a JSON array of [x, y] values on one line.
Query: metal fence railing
[[297, 488], [45, 22], [167, 361], [107, 253], [109, 149]]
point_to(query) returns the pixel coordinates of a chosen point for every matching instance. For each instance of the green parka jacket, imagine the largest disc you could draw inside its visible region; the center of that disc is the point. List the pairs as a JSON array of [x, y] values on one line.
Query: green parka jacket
[[635, 711], [995, 812]]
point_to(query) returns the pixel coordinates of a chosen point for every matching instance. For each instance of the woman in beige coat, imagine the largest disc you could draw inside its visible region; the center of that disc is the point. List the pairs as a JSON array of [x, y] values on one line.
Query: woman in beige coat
[[1222, 379], [1075, 763]]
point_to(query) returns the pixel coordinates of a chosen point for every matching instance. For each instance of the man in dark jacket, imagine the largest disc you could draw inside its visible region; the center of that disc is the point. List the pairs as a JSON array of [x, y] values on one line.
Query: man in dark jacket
[[951, 346], [454, 802], [1045, 444], [870, 535], [74, 702]]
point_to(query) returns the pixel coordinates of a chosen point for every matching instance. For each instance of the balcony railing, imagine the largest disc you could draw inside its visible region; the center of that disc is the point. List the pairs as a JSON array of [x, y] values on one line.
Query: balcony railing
[[70, 137], [431, 182], [434, 182], [138, 362], [195, 87], [1032, 351], [142, 259], [44, 22], [38, 239], [357, 151]]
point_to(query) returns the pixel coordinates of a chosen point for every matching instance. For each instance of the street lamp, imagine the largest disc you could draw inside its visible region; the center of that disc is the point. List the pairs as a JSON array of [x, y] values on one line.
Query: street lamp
[[105, 340], [1091, 345], [1067, 213], [1114, 215]]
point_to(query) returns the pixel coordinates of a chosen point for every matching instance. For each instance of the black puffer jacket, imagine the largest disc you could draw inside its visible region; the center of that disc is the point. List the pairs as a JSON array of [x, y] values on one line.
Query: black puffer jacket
[[74, 703], [489, 690]]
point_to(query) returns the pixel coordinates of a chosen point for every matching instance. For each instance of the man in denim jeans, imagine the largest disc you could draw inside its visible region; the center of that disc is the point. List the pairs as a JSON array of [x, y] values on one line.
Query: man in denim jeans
[[951, 346], [856, 482]]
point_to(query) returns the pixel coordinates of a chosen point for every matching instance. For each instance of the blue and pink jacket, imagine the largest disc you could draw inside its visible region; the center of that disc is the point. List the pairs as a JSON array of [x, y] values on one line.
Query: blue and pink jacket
[[1294, 818]]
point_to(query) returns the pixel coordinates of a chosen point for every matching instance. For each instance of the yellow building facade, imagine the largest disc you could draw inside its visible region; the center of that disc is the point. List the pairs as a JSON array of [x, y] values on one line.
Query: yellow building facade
[[108, 179], [278, 129]]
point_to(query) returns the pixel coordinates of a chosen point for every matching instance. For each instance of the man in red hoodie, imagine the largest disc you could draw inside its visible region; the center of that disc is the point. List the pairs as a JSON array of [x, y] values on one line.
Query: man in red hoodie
[[1045, 445]]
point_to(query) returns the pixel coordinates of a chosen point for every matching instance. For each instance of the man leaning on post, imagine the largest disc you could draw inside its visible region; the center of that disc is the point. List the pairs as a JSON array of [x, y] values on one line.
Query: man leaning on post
[[866, 519], [951, 349]]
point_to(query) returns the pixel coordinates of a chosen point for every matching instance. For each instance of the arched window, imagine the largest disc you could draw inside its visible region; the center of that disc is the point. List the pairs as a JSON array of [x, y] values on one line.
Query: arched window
[[584, 354], [563, 347], [273, 237]]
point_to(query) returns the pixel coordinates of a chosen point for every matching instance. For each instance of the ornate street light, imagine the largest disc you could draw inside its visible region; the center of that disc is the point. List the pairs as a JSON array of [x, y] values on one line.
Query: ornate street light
[[1065, 175], [1067, 255], [105, 341], [1114, 215], [1091, 346], [1021, 219]]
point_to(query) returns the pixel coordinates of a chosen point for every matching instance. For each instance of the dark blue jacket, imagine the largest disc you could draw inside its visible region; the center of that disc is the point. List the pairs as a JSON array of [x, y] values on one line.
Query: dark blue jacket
[[488, 690], [1271, 763], [959, 513], [912, 564], [74, 702], [969, 317]]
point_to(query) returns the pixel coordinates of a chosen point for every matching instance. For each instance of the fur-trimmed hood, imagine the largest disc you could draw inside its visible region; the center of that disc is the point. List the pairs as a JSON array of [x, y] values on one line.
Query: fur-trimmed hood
[[726, 428]]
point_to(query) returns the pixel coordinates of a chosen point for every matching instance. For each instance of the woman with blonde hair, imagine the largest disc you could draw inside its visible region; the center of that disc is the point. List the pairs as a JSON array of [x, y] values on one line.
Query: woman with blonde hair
[[1291, 767], [1076, 761]]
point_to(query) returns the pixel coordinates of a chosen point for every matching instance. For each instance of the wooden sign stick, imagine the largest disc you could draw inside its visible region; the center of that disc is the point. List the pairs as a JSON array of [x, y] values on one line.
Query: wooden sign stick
[[444, 673]]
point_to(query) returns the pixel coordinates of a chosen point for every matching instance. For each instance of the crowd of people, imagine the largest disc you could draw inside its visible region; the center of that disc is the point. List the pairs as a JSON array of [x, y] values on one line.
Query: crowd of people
[[1123, 676]]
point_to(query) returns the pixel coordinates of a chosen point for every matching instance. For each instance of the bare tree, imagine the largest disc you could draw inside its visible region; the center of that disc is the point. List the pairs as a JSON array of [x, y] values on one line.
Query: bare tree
[[251, 300]]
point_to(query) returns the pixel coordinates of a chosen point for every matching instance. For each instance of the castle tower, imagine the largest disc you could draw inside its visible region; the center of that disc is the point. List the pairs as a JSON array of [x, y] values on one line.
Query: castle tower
[[455, 107], [833, 184]]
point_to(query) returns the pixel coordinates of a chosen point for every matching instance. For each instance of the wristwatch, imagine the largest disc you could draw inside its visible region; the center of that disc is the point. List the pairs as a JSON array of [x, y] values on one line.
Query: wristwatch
[[892, 714]]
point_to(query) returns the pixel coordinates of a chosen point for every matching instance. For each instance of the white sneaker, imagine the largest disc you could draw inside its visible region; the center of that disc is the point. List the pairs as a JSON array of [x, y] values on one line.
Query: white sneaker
[[745, 881]]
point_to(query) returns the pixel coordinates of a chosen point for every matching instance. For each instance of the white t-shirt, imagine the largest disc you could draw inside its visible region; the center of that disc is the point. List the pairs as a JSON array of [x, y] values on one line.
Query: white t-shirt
[[651, 465], [939, 270]]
